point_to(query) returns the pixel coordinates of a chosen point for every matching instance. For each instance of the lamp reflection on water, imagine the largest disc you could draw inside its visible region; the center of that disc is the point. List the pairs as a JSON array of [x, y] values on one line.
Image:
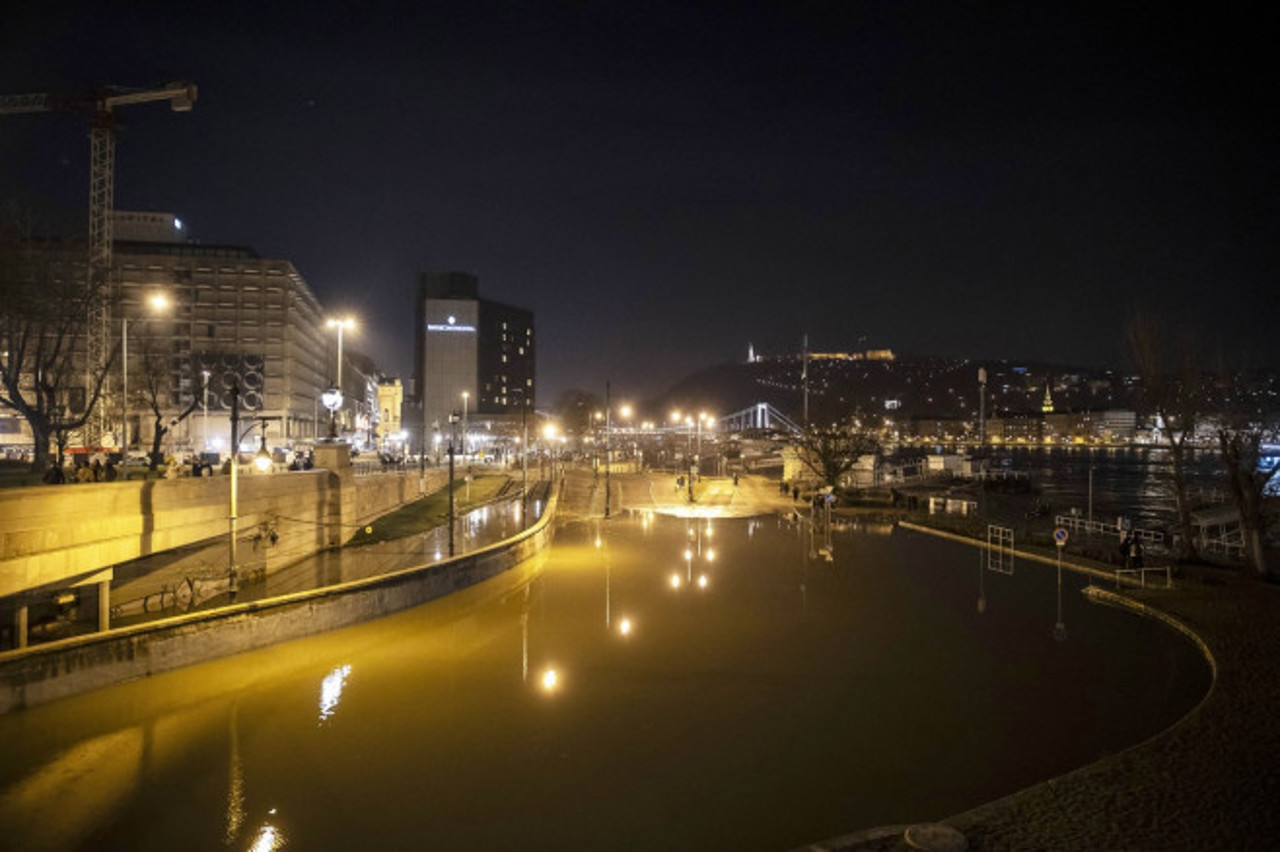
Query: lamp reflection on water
[[331, 691], [268, 838], [550, 680]]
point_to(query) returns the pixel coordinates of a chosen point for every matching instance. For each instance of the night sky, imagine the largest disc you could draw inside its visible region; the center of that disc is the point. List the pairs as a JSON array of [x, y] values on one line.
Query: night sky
[[664, 183]]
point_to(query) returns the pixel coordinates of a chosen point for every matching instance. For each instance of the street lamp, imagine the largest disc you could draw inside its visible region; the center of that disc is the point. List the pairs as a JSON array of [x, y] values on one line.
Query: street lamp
[[524, 454], [550, 432], [607, 465], [453, 432], [261, 461], [156, 302], [205, 427], [466, 395], [339, 324], [332, 401]]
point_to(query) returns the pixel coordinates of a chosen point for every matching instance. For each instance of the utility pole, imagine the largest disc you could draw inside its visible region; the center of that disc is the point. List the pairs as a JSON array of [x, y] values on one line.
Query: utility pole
[[982, 406]]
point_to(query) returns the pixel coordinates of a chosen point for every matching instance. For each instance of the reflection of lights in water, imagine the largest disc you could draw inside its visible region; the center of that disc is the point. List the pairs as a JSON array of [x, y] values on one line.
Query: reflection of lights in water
[[599, 543], [688, 554], [702, 581], [269, 838], [675, 581], [711, 555], [624, 627], [708, 528], [550, 680], [235, 789], [331, 691]]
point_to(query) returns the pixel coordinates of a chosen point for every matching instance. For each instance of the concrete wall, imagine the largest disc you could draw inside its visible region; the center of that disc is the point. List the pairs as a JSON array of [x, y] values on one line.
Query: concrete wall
[[34, 676], [57, 536]]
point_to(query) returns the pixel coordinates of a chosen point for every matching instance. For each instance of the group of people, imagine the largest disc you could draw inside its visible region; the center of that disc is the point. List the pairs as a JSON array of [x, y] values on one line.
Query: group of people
[[96, 470], [1131, 551]]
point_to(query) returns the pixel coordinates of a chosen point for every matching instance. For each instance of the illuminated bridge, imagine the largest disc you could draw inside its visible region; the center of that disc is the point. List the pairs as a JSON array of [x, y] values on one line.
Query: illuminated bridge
[[761, 417]]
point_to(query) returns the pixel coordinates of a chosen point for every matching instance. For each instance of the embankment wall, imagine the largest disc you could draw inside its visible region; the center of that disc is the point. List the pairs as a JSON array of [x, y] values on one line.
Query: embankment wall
[[34, 676]]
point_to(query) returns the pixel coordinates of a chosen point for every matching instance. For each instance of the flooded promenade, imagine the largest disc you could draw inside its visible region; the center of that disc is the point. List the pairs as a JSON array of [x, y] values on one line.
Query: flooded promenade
[[681, 676]]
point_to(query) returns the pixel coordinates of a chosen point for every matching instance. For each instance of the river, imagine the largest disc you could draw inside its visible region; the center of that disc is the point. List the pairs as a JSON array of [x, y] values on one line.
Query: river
[[648, 683]]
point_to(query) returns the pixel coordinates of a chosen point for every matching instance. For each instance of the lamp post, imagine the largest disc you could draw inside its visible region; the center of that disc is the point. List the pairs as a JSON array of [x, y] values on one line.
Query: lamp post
[[453, 433], [339, 324], [550, 433], [157, 302], [607, 465], [332, 400], [466, 395], [524, 454], [205, 401], [261, 462]]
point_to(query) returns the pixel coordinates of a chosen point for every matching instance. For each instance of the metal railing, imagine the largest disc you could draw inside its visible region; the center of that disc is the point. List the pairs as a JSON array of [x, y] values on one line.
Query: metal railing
[[1077, 524]]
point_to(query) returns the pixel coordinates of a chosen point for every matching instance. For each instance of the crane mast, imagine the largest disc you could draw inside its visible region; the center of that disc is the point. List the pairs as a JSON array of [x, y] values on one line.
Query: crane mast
[[102, 161]]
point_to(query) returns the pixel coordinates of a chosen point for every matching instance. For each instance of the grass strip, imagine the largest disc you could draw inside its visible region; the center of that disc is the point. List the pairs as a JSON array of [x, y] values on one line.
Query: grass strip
[[430, 511]]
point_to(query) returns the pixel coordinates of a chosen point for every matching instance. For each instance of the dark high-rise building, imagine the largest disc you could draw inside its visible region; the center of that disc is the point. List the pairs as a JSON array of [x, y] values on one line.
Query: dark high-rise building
[[473, 355]]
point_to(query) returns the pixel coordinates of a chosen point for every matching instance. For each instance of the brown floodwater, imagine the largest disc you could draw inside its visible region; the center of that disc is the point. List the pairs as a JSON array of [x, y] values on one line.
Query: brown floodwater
[[648, 683]]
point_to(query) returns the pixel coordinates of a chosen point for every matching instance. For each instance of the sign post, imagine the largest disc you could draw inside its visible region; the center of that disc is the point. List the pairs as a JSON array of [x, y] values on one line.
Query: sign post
[[1060, 536]]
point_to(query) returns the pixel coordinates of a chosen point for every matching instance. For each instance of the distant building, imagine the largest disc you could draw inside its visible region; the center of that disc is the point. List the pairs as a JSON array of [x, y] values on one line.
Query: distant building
[[869, 355], [472, 354], [390, 401]]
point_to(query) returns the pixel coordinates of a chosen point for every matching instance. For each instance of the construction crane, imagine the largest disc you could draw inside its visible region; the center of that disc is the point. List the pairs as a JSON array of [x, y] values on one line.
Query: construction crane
[[102, 161]]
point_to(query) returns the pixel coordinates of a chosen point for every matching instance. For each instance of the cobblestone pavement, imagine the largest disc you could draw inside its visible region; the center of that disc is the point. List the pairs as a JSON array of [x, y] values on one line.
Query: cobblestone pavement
[[1212, 781]]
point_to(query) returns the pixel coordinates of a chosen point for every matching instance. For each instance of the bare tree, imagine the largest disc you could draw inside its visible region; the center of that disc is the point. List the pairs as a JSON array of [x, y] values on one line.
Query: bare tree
[[575, 409], [1243, 429], [832, 451], [1176, 390], [156, 394], [44, 305]]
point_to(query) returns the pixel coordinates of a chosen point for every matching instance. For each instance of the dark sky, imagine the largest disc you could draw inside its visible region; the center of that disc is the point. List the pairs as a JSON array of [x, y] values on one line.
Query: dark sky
[[663, 183]]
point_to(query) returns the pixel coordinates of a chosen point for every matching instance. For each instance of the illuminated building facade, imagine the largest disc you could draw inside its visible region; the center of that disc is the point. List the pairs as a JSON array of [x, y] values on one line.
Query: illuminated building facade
[[471, 353], [241, 318]]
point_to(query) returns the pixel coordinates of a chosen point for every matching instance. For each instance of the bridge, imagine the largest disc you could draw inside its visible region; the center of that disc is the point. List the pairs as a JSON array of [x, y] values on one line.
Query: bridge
[[761, 417]]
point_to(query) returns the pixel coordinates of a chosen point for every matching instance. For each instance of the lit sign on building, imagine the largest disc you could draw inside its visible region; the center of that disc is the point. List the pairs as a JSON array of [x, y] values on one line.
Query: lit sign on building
[[450, 324]]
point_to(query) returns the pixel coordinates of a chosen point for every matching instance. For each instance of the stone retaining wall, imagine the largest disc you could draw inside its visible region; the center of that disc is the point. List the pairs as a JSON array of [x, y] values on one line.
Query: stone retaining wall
[[52, 536], [34, 676]]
